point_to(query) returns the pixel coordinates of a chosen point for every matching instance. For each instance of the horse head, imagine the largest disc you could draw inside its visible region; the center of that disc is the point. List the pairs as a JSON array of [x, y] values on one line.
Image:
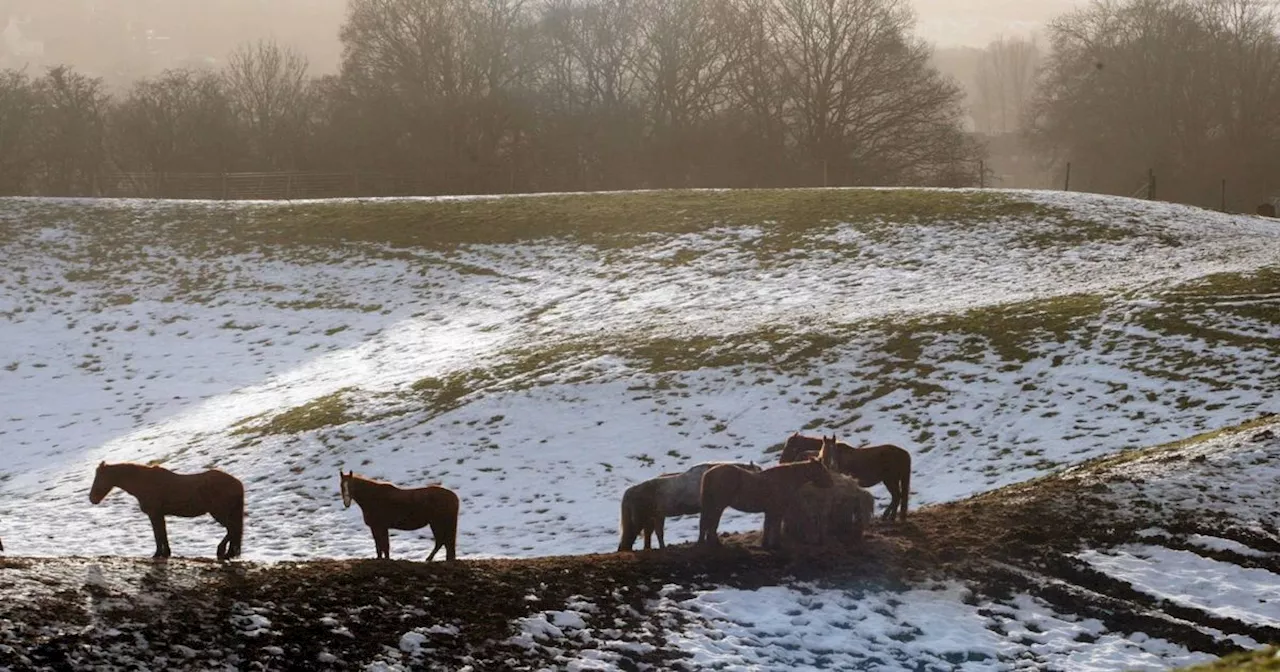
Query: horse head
[[827, 454], [345, 486], [102, 483], [820, 475]]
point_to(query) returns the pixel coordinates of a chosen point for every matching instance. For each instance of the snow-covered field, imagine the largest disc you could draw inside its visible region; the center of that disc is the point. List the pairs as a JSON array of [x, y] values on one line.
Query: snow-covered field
[[993, 350]]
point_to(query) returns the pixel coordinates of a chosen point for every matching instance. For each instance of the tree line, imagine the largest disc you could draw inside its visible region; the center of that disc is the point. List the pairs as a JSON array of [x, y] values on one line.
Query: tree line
[[507, 95], [1186, 89], [470, 96]]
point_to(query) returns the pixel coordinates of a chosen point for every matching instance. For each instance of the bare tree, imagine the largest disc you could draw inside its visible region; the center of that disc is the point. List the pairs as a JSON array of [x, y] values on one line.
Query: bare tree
[[268, 87], [867, 106], [181, 120], [593, 90], [688, 50], [1004, 82], [19, 114], [1187, 88], [72, 125], [444, 73]]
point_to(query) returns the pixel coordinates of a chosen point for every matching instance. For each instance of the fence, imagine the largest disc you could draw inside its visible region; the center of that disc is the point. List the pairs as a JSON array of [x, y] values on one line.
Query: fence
[[254, 186]]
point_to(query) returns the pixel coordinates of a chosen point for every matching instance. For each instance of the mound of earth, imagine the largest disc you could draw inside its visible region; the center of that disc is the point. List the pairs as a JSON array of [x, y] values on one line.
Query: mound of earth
[[1074, 542]]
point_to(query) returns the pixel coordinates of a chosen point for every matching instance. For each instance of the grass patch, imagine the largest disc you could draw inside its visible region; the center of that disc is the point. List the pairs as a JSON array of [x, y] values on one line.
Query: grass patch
[[1110, 461], [327, 411], [1249, 661]]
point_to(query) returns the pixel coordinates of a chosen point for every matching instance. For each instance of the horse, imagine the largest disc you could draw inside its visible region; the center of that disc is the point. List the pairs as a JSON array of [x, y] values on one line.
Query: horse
[[843, 510], [871, 465], [647, 505], [387, 507], [769, 491], [161, 493]]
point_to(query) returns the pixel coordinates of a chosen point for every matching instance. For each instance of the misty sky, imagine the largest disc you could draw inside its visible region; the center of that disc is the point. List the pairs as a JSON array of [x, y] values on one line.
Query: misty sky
[[77, 31]]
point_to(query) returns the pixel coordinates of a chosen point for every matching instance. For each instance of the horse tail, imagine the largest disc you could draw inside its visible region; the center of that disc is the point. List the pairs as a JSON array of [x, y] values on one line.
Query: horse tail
[[237, 527], [451, 524], [906, 490], [628, 522]]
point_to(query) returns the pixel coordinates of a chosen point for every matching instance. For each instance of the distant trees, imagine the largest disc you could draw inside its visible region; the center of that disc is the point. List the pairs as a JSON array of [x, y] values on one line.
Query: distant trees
[[179, 121], [491, 94], [469, 96], [1188, 88], [270, 94], [1004, 83]]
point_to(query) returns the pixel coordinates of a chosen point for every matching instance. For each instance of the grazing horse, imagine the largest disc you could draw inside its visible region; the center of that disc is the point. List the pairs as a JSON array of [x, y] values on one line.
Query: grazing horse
[[871, 465], [387, 507], [646, 505], [161, 493], [770, 492], [843, 510]]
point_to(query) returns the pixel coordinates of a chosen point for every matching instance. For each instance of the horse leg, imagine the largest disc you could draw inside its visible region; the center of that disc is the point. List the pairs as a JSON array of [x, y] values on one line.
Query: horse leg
[[439, 535], [892, 508], [381, 542], [772, 530], [161, 535], [905, 484], [658, 524], [709, 525]]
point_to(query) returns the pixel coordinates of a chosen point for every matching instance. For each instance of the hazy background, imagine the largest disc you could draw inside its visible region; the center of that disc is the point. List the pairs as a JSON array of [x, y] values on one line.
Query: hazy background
[[120, 40]]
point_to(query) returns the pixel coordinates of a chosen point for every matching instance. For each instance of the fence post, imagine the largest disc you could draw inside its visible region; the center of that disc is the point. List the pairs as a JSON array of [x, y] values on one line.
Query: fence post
[[1067, 186], [982, 174], [224, 186], [1224, 194], [1151, 184], [288, 187], [824, 172]]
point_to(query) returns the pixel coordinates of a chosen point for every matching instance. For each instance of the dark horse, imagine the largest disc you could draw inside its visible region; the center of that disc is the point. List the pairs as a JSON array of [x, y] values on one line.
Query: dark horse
[[161, 493], [387, 507], [885, 463], [770, 492]]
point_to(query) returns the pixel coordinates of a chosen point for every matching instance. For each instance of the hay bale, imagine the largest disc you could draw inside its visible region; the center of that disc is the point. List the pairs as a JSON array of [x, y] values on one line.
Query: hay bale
[[840, 512]]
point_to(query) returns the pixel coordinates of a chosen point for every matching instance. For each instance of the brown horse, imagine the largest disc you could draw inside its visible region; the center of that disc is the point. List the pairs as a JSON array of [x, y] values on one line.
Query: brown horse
[[770, 492], [387, 507], [161, 493], [871, 465]]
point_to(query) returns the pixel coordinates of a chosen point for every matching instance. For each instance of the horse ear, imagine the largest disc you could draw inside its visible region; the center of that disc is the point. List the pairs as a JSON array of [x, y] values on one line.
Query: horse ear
[[102, 464]]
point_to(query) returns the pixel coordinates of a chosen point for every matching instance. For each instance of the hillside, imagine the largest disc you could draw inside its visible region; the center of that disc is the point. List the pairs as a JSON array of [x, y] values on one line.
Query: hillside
[[538, 354], [1155, 557]]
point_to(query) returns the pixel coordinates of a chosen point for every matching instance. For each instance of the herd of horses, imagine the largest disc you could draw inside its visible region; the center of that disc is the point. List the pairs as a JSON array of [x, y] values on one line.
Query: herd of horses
[[816, 490]]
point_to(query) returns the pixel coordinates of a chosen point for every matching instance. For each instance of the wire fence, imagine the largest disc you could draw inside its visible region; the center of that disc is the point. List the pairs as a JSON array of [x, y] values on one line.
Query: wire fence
[[258, 186]]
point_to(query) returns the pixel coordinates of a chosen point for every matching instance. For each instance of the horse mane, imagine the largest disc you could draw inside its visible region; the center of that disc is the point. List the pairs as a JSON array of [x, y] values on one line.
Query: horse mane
[[374, 481]]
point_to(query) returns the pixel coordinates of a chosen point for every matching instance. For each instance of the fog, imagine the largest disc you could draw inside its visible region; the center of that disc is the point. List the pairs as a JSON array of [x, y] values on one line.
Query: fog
[[120, 40]]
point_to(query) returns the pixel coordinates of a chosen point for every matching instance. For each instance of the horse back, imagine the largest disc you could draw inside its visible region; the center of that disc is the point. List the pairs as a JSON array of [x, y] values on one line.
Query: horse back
[[189, 495], [874, 464], [732, 485], [412, 508]]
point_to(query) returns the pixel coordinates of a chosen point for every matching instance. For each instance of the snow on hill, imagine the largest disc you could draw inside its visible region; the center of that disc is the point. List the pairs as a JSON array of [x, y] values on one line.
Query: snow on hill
[[538, 354], [994, 335]]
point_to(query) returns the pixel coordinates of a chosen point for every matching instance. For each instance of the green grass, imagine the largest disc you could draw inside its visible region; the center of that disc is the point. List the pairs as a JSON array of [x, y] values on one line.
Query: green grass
[[330, 410], [1249, 661]]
